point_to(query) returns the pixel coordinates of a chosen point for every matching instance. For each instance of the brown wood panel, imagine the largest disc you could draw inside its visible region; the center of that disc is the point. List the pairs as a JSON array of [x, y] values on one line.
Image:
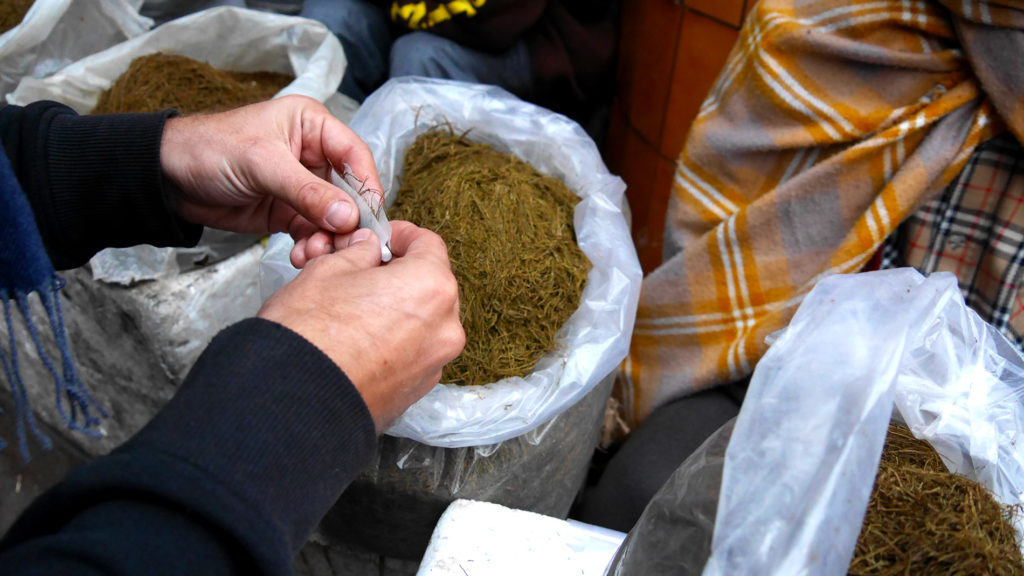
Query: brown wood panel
[[647, 45], [638, 169], [728, 11], [650, 239], [703, 48], [615, 139]]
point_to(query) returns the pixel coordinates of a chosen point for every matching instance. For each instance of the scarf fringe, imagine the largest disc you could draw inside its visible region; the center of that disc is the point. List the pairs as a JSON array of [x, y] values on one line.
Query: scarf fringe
[[80, 411]]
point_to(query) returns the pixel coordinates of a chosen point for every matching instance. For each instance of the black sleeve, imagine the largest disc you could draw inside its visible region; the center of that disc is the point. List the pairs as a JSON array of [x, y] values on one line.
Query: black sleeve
[[229, 478], [93, 181]]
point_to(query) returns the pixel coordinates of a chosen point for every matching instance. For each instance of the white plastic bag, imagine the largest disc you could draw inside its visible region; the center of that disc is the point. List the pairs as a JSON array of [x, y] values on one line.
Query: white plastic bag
[[55, 33], [227, 38], [164, 10], [803, 456], [596, 337]]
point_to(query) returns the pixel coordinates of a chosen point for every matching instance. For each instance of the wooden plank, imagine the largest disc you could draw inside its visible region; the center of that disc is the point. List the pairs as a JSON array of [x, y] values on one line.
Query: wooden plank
[[640, 163], [703, 48], [727, 11], [647, 44], [653, 234]]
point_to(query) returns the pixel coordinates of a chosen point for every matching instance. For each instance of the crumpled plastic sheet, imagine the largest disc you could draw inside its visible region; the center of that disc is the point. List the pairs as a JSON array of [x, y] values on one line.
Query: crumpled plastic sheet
[[129, 266], [801, 463], [596, 337], [55, 33], [673, 536], [460, 464]]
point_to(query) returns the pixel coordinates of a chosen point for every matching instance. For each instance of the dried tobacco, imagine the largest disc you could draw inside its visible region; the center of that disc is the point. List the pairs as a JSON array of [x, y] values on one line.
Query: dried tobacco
[[923, 519], [160, 81], [512, 246]]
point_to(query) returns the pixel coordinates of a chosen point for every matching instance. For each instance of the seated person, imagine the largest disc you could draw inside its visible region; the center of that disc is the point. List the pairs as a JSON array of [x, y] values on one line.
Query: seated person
[[910, 143], [556, 53]]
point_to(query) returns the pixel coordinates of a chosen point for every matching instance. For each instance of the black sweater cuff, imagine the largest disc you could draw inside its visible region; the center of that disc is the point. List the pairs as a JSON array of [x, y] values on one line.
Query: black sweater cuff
[[269, 415], [255, 447], [94, 181]]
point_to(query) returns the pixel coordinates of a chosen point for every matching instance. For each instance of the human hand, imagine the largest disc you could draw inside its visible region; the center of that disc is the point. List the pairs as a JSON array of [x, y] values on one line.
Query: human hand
[[390, 328], [265, 168]]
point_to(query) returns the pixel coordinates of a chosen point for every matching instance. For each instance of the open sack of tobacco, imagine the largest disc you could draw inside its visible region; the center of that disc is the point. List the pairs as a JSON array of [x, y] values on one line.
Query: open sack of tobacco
[[548, 287], [881, 434], [302, 53], [533, 221], [39, 37], [209, 61]]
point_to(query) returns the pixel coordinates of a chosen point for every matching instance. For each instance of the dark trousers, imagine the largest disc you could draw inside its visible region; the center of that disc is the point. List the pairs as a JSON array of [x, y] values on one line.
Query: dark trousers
[[646, 459]]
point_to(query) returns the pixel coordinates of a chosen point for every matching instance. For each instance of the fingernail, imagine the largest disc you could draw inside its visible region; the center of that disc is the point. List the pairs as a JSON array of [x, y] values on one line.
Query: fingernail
[[338, 215], [359, 235]]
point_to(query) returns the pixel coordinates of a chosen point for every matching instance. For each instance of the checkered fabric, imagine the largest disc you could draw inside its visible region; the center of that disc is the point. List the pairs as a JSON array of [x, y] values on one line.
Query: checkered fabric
[[975, 230], [830, 124]]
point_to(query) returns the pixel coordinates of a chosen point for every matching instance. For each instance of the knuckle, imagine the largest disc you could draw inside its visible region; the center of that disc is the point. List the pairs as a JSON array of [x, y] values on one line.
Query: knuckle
[[450, 286], [432, 241], [311, 193], [315, 266], [443, 289], [458, 339]]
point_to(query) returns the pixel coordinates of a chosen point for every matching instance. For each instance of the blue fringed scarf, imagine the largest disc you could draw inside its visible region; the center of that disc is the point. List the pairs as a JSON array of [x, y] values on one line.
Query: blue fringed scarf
[[24, 269]]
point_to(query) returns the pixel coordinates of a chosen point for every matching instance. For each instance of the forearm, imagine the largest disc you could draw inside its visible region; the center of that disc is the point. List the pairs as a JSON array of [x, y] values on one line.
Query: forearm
[[233, 473], [93, 181]]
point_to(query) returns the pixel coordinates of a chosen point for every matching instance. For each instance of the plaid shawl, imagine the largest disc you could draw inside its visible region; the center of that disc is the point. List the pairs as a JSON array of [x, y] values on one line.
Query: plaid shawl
[[831, 122], [975, 229]]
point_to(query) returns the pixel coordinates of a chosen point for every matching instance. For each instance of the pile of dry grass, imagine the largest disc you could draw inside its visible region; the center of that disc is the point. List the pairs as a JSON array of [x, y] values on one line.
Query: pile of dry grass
[[160, 81], [512, 247], [923, 519], [12, 12]]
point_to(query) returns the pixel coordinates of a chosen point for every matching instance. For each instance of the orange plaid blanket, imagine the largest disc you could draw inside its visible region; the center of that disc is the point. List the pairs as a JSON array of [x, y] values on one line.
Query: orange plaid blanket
[[831, 123]]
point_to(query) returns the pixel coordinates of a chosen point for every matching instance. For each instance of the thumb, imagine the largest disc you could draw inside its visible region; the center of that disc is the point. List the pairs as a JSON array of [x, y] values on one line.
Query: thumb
[[357, 251], [315, 199]]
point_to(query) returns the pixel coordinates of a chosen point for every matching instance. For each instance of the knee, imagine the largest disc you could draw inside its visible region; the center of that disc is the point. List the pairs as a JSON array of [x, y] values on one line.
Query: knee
[[346, 18], [423, 54]]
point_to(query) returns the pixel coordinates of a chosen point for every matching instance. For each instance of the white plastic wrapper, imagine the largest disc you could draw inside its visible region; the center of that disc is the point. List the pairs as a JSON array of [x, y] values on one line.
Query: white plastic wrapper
[[595, 339], [227, 38], [802, 459], [55, 33], [501, 541]]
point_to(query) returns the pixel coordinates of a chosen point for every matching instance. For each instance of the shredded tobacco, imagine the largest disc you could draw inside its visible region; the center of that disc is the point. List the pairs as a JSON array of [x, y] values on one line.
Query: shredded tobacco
[[12, 12], [923, 519], [160, 81], [512, 246]]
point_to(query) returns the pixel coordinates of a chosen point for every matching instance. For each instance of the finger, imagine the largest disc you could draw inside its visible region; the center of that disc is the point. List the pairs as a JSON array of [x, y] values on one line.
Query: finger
[[318, 201], [298, 254], [342, 146], [408, 239], [318, 244], [298, 227], [359, 250]]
